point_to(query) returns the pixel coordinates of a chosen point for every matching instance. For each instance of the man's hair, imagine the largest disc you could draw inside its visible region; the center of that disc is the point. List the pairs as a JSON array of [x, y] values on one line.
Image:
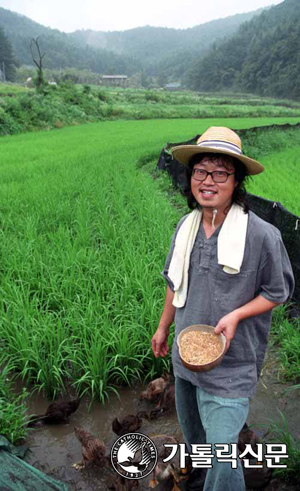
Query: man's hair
[[240, 175]]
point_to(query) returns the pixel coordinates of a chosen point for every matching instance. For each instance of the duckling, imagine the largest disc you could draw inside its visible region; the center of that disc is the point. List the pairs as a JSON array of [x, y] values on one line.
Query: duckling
[[129, 423], [156, 387], [254, 477], [167, 400], [164, 471], [93, 449], [57, 412], [247, 436]]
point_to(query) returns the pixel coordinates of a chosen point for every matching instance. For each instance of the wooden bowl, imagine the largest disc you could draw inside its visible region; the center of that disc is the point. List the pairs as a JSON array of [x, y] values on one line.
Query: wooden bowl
[[207, 366]]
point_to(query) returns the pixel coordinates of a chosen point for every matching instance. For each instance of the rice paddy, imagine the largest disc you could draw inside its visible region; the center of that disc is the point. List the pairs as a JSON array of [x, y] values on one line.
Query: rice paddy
[[84, 236], [284, 165]]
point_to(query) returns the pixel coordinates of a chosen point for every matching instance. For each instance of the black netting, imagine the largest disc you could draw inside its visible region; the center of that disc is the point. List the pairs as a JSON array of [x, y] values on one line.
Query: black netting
[[270, 211]]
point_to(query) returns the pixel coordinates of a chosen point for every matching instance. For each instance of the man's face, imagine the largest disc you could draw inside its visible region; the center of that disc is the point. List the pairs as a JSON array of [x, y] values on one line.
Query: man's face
[[210, 194]]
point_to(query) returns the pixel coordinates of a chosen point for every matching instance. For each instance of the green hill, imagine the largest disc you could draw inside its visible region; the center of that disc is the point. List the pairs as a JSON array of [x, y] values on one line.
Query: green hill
[[262, 57], [156, 42], [155, 50], [62, 50]]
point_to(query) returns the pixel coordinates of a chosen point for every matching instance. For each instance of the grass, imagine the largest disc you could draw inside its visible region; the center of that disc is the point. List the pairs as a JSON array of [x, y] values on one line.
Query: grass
[[286, 334], [12, 409], [277, 151], [279, 432], [23, 109], [285, 164], [12, 89], [185, 97]]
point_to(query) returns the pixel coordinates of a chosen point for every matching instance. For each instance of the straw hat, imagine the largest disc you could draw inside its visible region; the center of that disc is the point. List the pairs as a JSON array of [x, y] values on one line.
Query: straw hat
[[217, 139]]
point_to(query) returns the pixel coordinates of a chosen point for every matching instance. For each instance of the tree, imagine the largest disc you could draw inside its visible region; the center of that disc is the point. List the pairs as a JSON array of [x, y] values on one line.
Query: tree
[[8, 62], [144, 79], [34, 46]]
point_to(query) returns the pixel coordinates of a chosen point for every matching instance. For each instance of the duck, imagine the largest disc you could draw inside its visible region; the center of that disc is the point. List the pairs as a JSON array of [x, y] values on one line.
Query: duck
[[156, 388], [57, 412], [129, 424], [254, 477], [93, 449], [165, 471], [167, 400], [246, 435]]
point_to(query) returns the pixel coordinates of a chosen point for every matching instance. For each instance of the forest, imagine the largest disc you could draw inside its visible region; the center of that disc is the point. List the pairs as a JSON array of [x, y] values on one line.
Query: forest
[[263, 57]]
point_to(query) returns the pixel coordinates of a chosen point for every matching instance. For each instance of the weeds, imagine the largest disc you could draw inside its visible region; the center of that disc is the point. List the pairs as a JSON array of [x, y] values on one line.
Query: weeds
[[279, 432]]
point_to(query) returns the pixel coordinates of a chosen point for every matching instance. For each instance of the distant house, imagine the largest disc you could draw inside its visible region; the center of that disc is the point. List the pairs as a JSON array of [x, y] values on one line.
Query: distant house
[[173, 86], [114, 80]]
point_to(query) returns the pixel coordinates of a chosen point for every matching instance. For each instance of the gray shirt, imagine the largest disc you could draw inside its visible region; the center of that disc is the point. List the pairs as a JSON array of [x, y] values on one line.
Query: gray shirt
[[212, 293]]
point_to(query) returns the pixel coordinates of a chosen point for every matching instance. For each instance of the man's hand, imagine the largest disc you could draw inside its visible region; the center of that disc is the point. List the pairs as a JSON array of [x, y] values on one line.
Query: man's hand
[[159, 342], [227, 325]]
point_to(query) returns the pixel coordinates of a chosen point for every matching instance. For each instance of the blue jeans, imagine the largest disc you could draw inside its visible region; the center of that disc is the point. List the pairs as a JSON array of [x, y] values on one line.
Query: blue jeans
[[206, 418]]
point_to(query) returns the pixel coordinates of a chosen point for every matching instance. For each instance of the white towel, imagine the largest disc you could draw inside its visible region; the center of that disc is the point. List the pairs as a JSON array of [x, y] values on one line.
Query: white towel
[[231, 247]]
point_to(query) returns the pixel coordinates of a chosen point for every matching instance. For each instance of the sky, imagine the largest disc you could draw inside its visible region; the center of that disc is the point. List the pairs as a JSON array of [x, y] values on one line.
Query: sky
[[120, 15]]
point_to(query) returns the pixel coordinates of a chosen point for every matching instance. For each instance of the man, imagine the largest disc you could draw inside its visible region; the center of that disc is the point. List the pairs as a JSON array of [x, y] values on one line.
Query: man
[[226, 268]]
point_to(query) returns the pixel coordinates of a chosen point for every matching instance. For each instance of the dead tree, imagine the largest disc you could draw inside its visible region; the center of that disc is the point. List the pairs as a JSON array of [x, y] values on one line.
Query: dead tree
[[39, 62]]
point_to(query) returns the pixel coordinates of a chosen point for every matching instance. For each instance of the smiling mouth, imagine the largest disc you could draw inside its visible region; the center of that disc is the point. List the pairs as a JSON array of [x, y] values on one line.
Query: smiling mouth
[[208, 193]]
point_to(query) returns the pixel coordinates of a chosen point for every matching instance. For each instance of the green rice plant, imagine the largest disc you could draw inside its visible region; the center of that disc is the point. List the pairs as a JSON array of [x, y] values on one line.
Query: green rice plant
[[12, 408], [271, 188], [68, 104], [279, 433], [84, 236]]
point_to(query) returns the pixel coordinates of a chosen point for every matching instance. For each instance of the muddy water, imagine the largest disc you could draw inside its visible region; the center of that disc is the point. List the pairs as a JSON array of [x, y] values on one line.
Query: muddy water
[[55, 448]]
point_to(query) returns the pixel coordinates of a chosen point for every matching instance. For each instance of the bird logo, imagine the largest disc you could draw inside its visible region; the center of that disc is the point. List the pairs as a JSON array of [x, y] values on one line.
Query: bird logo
[[134, 455]]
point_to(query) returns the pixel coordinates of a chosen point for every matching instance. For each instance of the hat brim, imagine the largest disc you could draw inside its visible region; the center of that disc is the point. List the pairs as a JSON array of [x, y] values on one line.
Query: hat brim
[[184, 153]]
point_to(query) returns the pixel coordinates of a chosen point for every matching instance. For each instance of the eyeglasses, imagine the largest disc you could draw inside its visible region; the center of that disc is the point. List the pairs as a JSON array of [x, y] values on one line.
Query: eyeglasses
[[217, 175]]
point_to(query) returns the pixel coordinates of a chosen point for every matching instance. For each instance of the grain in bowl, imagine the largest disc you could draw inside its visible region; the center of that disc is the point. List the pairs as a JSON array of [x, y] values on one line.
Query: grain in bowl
[[201, 350]]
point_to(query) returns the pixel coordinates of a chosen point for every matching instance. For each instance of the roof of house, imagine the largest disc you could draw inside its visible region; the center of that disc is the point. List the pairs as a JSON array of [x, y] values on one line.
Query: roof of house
[[114, 76]]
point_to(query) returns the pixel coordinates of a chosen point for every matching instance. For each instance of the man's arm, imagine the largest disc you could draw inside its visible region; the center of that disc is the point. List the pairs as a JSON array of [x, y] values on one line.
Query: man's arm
[[228, 324], [159, 341]]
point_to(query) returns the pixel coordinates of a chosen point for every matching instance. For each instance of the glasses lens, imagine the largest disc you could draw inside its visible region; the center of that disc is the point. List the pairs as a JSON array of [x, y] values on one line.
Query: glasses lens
[[220, 176], [199, 174]]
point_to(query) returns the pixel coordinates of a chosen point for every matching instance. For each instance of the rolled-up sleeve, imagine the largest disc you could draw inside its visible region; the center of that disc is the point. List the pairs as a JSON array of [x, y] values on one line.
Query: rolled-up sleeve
[[277, 279]]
